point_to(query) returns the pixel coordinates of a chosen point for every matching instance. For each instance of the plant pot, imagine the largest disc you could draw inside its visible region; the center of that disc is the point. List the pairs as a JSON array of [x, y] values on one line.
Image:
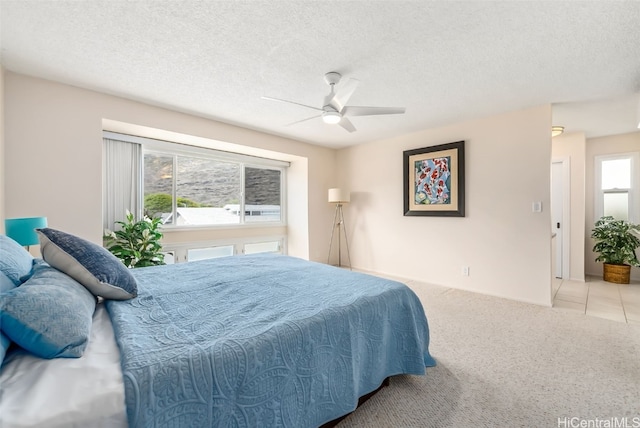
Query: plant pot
[[618, 274]]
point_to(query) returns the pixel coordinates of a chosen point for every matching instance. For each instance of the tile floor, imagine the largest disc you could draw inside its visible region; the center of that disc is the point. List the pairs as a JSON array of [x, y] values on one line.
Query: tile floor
[[597, 298], [594, 297]]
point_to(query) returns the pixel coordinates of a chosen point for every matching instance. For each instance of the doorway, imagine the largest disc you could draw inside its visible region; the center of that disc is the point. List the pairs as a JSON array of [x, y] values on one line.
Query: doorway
[[561, 216]]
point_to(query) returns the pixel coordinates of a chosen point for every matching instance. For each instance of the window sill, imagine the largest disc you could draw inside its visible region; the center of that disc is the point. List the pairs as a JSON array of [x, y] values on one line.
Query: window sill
[[170, 229]]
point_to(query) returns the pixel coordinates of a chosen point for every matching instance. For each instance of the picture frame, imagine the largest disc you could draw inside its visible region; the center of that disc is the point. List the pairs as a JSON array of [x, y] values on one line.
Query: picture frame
[[434, 181]]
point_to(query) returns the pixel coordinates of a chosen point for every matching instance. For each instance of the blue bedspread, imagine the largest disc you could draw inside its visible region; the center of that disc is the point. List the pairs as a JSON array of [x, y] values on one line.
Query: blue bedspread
[[262, 341]]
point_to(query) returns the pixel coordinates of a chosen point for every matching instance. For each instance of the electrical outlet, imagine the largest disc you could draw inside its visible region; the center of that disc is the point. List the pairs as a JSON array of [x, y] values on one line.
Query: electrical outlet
[[465, 271]]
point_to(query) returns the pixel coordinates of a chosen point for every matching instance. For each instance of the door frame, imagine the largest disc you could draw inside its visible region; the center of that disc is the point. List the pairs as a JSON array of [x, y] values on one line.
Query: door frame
[[566, 214]]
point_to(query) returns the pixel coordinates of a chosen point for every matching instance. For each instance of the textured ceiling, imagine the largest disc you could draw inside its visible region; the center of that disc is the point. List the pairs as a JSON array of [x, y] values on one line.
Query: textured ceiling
[[444, 61]]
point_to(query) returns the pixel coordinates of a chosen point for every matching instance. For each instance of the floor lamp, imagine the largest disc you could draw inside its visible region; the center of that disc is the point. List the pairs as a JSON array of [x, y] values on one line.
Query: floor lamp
[[339, 197]]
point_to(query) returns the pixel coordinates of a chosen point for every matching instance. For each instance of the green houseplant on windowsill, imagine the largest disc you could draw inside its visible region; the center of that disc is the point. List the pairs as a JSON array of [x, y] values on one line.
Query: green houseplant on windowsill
[[616, 244], [137, 243]]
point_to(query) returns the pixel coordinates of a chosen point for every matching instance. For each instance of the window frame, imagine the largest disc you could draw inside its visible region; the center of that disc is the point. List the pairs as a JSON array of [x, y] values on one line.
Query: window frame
[[633, 192], [173, 149], [180, 250]]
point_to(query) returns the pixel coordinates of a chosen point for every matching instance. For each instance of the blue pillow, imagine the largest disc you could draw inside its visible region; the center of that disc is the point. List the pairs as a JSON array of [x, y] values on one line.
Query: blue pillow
[[15, 261], [91, 265], [5, 285], [50, 315]]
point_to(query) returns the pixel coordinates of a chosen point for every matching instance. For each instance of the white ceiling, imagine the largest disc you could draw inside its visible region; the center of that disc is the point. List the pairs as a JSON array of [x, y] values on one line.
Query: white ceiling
[[444, 61]]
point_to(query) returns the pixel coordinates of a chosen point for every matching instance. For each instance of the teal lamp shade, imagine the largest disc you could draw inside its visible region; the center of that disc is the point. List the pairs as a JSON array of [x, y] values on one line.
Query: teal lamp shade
[[23, 230]]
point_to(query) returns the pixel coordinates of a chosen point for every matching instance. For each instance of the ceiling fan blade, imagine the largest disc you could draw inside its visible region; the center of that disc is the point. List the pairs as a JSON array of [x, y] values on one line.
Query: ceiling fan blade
[[342, 95], [346, 124], [371, 111], [303, 120], [290, 102]]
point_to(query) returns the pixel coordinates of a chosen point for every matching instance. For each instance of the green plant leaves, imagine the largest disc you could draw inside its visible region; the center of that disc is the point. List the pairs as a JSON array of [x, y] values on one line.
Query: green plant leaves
[[136, 243], [615, 242]]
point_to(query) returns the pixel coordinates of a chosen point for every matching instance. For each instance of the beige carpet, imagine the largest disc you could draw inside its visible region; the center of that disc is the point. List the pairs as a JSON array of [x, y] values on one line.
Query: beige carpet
[[510, 364]]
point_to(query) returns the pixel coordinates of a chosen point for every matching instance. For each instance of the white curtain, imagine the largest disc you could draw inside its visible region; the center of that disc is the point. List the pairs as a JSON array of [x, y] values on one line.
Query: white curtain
[[121, 181]]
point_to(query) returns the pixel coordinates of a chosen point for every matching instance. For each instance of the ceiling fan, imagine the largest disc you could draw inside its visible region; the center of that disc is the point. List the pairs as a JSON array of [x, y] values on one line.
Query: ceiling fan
[[334, 109]]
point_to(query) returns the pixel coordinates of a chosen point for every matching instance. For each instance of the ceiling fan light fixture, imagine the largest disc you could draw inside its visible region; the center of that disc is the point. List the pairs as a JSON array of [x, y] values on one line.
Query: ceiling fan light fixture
[[331, 117], [556, 130]]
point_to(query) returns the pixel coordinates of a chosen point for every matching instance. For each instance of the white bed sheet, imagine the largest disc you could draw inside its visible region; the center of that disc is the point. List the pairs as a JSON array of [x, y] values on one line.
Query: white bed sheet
[[66, 392]]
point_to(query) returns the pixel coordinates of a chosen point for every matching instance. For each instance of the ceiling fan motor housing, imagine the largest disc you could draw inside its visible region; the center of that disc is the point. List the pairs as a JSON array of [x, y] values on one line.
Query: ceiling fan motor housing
[[332, 77]]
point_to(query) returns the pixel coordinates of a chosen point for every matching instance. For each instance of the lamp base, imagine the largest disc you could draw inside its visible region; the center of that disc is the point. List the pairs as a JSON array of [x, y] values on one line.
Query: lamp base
[[338, 222]]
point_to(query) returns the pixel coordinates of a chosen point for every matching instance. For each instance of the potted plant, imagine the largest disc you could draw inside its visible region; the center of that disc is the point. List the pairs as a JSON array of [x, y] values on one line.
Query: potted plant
[[616, 244], [137, 243]]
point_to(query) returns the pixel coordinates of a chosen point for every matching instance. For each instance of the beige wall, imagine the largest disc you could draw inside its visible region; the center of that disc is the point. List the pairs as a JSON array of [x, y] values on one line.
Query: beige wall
[[53, 138], [53, 143], [2, 153], [624, 143], [505, 244], [573, 147]]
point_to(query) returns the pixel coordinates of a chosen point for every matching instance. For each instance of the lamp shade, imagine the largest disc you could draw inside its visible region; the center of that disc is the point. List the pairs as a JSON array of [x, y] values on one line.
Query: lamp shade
[[23, 230], [338, 196]]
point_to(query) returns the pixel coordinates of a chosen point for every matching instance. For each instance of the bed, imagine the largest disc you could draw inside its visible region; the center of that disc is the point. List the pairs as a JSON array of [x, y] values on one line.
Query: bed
[[256, 341]]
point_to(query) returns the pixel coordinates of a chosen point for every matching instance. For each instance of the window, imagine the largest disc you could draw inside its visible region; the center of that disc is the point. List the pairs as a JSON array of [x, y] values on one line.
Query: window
[[617, 186], [199, 188], [169, 257], [262, 194], [262, 247], [158, 184], [190, 191], [194, 254], [189, 186], [192, 251]]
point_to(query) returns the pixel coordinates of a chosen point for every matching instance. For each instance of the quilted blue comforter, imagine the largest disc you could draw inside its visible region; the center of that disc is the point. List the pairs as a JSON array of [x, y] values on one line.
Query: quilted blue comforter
[[262, 341]]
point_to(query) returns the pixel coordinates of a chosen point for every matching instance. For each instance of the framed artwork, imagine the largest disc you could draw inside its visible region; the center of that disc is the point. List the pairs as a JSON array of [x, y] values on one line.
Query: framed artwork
[[434, 180]]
